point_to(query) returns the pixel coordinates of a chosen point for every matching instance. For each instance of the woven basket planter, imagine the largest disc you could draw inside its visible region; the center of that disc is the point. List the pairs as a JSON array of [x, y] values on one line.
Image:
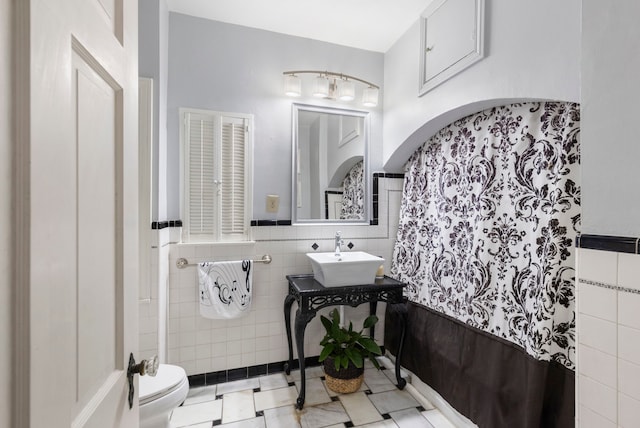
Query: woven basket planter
[[343, 381]]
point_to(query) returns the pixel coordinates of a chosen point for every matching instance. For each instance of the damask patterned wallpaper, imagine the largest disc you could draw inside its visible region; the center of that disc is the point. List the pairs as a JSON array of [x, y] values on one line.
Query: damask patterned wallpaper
[[353, 193]]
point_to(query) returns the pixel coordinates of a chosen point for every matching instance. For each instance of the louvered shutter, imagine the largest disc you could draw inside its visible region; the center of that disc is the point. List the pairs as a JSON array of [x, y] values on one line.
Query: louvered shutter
[[201, 186], [217, 176], [233, 173]]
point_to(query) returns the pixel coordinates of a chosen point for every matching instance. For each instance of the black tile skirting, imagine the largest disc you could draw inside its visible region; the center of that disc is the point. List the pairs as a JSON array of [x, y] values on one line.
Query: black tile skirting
[[223, 376], [167, 223], [374, 200], [270, 222], [618, 244]]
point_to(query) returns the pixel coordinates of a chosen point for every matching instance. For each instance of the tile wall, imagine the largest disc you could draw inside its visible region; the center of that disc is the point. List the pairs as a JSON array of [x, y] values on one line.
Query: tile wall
[[202, 345], [608, 339], [153, 296]]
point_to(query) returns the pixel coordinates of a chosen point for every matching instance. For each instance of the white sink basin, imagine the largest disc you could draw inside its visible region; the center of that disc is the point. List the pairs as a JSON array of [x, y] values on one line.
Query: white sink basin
[[349, 268]]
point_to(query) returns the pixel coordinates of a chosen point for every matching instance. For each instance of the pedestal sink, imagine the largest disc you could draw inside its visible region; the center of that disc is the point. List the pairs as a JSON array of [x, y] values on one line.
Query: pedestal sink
[[348, 268]]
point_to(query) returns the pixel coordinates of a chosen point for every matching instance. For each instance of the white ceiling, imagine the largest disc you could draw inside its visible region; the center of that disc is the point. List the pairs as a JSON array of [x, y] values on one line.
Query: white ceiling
[[366, 24]]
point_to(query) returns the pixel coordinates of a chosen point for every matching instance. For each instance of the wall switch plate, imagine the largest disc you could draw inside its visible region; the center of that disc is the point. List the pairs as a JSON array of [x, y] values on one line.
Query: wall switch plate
[[273, 203]]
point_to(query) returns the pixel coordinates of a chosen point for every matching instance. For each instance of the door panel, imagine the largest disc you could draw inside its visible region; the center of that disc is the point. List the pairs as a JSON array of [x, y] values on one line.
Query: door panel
[[97, 280], [78, 161]]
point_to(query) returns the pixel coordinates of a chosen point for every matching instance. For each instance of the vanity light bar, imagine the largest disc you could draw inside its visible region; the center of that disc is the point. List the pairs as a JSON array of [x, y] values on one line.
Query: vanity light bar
[[342, 86]]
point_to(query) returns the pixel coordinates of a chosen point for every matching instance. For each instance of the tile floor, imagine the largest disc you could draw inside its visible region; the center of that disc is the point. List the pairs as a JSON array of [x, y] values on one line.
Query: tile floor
[[268, 402]]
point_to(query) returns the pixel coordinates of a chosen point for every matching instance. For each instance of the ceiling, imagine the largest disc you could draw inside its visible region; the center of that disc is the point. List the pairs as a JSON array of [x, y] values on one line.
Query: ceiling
[[373, 25]]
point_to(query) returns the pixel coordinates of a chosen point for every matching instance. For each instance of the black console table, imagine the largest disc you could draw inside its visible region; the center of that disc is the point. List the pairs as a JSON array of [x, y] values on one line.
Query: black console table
[[312, 296]]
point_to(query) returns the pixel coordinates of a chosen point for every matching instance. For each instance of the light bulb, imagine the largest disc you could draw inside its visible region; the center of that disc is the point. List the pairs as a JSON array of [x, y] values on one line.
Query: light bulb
[[370, 97], [292, 85], [321, 87], [346, 90]]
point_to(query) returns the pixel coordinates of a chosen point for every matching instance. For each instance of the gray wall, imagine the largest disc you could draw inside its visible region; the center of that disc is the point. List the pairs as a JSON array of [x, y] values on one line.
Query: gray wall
[[610, 110], [230, 68], [153, 40], [532, 51]]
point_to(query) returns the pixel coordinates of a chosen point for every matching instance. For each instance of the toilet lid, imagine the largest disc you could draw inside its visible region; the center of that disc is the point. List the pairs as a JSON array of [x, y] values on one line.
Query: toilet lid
[[167, 379]]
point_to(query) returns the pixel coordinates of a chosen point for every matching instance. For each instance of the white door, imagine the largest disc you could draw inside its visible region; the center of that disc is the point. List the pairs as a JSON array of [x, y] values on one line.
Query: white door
[[77, 214]]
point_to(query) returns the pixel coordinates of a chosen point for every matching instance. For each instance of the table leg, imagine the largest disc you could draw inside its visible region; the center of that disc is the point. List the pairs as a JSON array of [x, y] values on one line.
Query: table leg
[[288, 301], [302, 319], [403, 321], [373, 306]]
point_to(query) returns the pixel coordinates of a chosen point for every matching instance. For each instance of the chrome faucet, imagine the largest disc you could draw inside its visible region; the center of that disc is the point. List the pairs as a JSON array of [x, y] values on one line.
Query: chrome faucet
[[338, 243]]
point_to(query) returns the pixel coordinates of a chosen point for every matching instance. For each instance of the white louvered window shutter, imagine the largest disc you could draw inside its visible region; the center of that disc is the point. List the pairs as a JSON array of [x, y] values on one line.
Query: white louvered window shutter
[[216, 176], [201, 189], [232, 203]]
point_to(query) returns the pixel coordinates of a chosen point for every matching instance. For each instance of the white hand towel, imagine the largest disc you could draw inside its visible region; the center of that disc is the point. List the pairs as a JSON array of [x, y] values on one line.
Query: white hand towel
[[225, 288]]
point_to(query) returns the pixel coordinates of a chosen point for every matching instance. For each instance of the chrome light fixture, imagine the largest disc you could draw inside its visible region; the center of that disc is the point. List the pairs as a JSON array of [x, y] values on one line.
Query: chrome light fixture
[[331, 85]]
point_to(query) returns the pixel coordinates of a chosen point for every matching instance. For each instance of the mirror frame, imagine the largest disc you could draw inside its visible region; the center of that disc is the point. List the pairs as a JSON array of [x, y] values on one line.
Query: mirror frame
[[365, 115]]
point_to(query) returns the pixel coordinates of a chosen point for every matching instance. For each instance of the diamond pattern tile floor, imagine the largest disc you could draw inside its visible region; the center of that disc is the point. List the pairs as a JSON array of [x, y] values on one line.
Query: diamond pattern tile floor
[[268, 402]]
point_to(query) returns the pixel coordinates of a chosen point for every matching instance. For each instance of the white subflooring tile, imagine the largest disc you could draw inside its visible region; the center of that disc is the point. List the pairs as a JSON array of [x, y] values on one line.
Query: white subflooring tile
[[359, 408], [437, 419], [323, 415], [391, 401], [196, 413], [275, 398], [410, 418], [246, 423], [273, 381], [237, 406], [315, 392], [200, 395]]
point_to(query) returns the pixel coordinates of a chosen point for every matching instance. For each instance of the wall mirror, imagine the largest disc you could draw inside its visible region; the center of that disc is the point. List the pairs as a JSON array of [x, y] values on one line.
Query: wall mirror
[[330, 165]]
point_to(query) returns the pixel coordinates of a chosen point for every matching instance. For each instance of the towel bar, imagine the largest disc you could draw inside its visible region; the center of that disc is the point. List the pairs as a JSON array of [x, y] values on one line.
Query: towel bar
[[182, 263]]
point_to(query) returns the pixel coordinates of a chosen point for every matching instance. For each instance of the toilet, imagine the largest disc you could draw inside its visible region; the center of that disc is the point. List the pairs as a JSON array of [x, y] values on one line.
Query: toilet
[[161, 394]]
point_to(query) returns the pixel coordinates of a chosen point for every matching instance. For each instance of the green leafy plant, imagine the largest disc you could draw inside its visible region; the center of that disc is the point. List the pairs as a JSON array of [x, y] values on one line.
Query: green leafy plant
[[346, 345]]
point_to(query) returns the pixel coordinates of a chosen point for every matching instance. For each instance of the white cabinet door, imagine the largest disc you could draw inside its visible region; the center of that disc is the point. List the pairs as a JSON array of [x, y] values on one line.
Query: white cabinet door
[[77, 216], [451, 39]]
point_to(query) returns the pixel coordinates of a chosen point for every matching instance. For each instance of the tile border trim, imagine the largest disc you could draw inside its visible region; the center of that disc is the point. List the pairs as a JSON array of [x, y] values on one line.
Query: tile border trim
[[609, 286], [222, 376], [374, 202], [618, 244], [157, 225]]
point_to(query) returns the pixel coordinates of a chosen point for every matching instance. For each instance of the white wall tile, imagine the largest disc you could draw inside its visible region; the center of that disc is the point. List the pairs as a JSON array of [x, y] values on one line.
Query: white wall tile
[[597, 301], [598, 333], [628, 411], [598, 365], [590, 419], [594, 392], [629, 379], [598, 397], [203, 351], [629, 344], [600, 266], [629, 271], [629, 309]]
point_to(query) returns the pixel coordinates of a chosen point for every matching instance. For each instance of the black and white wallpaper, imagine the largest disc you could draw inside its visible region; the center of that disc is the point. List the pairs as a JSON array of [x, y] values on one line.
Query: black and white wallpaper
[[488, 221], [353, 193]]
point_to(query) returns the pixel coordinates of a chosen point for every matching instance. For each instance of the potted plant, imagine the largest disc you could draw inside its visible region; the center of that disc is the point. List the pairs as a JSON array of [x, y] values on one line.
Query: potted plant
[[344, 351]]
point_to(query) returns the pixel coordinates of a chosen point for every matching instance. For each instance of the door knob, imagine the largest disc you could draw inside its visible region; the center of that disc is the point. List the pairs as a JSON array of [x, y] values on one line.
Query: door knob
[[144, 367]]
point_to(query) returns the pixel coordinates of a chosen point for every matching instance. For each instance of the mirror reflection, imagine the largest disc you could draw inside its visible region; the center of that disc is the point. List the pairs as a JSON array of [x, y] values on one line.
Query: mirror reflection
[[329, 165]]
